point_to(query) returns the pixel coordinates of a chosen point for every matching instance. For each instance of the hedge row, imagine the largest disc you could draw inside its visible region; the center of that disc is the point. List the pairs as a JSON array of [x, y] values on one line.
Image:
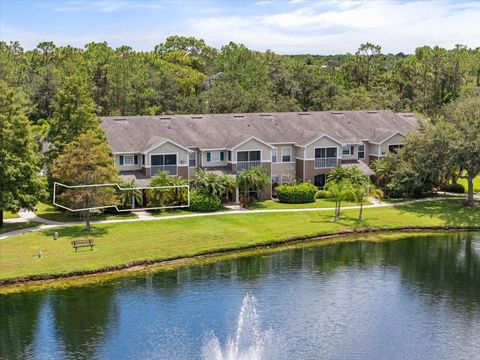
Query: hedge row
[[203, 201], [297, 194]]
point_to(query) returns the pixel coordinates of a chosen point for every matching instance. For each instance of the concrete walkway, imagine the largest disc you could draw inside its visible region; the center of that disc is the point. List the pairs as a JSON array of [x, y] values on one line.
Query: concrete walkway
[[147, 217]]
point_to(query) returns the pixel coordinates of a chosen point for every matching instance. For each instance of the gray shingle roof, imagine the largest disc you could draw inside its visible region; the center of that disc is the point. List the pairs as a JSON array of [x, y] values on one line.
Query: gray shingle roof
[[212, 131]]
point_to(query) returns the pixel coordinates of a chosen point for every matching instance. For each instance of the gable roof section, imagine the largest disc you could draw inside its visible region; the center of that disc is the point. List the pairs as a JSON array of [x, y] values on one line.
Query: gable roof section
[[252, 138], [226, 131]]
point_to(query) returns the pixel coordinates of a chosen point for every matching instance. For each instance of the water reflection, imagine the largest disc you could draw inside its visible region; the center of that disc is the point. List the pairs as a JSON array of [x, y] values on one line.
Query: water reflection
[[347, 300]]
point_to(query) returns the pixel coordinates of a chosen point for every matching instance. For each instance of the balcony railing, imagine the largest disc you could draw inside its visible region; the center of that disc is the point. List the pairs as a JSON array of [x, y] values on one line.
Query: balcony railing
[[245, 165], [322, 163], [171, 169]]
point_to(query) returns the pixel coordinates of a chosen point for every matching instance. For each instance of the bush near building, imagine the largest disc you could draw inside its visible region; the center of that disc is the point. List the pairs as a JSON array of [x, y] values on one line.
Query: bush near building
[[203, 201], [297, 194]]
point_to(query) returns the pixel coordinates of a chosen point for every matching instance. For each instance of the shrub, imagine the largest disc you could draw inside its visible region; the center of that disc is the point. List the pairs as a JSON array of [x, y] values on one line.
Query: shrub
[[322, 194], [297, 194], [203, 201], [455, 188]]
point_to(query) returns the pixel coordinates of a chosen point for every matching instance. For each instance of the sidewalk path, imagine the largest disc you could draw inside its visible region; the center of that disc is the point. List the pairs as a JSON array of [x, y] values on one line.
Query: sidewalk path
[[147, 217]]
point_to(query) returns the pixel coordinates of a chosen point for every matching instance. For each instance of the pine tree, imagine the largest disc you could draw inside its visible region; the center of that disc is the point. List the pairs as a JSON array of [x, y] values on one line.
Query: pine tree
[[20, 183]]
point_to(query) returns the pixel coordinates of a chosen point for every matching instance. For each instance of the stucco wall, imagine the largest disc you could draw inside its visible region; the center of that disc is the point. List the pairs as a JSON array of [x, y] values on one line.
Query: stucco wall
[[128, 167], [287, 170], [253, 144], [206, 163], [395, 140], [323, 142]]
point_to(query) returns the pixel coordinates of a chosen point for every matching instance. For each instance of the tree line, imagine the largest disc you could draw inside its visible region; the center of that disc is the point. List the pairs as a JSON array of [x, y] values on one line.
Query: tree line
[[185, 75]]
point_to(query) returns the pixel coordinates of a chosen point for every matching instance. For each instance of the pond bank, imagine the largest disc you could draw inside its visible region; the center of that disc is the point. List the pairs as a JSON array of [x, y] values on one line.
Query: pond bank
[[76, 278]]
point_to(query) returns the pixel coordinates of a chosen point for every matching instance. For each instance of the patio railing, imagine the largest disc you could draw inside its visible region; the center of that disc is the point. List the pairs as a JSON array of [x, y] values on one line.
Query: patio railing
[[321, 163], [245, 165]]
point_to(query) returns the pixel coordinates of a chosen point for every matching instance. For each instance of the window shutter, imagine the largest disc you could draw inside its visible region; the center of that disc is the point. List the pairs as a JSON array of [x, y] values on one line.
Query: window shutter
[[121, 159], [222, 156], [135, 159], [209, 156]]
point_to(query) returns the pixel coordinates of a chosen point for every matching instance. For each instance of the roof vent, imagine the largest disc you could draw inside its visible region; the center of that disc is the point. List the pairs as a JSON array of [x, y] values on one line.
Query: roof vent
[[304, 113], [164, 117], [197, 117], [408, 115], [336, 112], [372, 112], [239, 116], [120, 119]]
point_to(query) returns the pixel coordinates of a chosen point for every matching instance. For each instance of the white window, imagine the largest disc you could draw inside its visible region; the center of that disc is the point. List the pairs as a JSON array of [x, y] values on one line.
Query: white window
[[274, 155], [286, 154], [361, 152], [128, 160], [192, 159], [348, 150], [215, 156]]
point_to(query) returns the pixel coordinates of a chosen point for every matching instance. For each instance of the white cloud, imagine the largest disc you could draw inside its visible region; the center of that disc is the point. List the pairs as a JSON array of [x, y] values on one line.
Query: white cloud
[[318, 27], [397, 26], [105, 5]]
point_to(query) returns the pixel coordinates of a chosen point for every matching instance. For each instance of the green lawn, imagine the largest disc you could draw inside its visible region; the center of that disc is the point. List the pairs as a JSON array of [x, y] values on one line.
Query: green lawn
[[16, 226], [320, 203], [9, 215], [123, 243], [50, 212]]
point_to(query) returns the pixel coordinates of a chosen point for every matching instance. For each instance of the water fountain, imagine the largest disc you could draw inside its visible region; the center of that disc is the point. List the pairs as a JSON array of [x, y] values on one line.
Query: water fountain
[[248, 343]]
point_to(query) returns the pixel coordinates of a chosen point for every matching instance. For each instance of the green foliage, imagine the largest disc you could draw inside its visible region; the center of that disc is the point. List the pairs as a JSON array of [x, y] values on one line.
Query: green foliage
[[297, 194], [185, 75], [203, 201], [130, 196], [20, 183], [322, 194], [253, 179], [168, 196], [86, 161], [455, 188]]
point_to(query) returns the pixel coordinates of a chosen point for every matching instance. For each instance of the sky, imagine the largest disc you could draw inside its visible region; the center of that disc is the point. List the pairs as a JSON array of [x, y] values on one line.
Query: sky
[[284, 26]]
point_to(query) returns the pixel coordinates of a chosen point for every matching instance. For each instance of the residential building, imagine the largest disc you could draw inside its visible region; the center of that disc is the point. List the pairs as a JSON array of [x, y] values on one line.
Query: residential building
[[300, 146]]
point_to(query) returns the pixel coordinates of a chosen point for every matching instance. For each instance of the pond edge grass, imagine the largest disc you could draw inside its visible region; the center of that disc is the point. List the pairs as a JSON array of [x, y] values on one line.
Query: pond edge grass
[[7, 284]]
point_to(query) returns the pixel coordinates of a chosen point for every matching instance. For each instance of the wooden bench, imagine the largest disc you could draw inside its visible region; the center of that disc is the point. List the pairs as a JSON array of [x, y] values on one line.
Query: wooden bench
[[83, 243]]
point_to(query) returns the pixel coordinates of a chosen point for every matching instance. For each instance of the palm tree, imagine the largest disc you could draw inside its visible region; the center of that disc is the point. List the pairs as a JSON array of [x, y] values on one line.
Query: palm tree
[[340, 191], [161, 197], [130, 195], [367, 190], [207, 181], [253, 179], [229, 184]]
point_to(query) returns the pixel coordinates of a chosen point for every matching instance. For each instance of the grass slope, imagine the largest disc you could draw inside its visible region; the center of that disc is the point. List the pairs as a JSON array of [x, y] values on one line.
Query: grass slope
[[123, 243], [15, 226]]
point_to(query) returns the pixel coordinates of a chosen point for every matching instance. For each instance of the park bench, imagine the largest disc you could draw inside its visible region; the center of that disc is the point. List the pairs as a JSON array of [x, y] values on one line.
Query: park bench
[[83, 243]]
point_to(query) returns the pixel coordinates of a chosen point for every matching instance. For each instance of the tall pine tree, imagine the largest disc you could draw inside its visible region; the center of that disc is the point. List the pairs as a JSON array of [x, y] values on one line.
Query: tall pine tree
[[20, 183]]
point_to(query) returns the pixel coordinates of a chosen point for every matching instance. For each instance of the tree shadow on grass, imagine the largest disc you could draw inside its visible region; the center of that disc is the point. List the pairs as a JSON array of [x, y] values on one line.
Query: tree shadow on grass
[[77, 232], [454, 213]]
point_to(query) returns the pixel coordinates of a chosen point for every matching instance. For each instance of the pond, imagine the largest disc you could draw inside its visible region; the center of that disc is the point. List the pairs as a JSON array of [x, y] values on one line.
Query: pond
[[417, 297]]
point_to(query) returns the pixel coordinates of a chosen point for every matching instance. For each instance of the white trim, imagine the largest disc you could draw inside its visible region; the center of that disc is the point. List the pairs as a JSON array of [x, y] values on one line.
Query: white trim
[[121, 189], [320, 137], [252, 138], [128, 152], [388, 138], [219, 157], [216, 149], [284, 143], [169, 141]]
